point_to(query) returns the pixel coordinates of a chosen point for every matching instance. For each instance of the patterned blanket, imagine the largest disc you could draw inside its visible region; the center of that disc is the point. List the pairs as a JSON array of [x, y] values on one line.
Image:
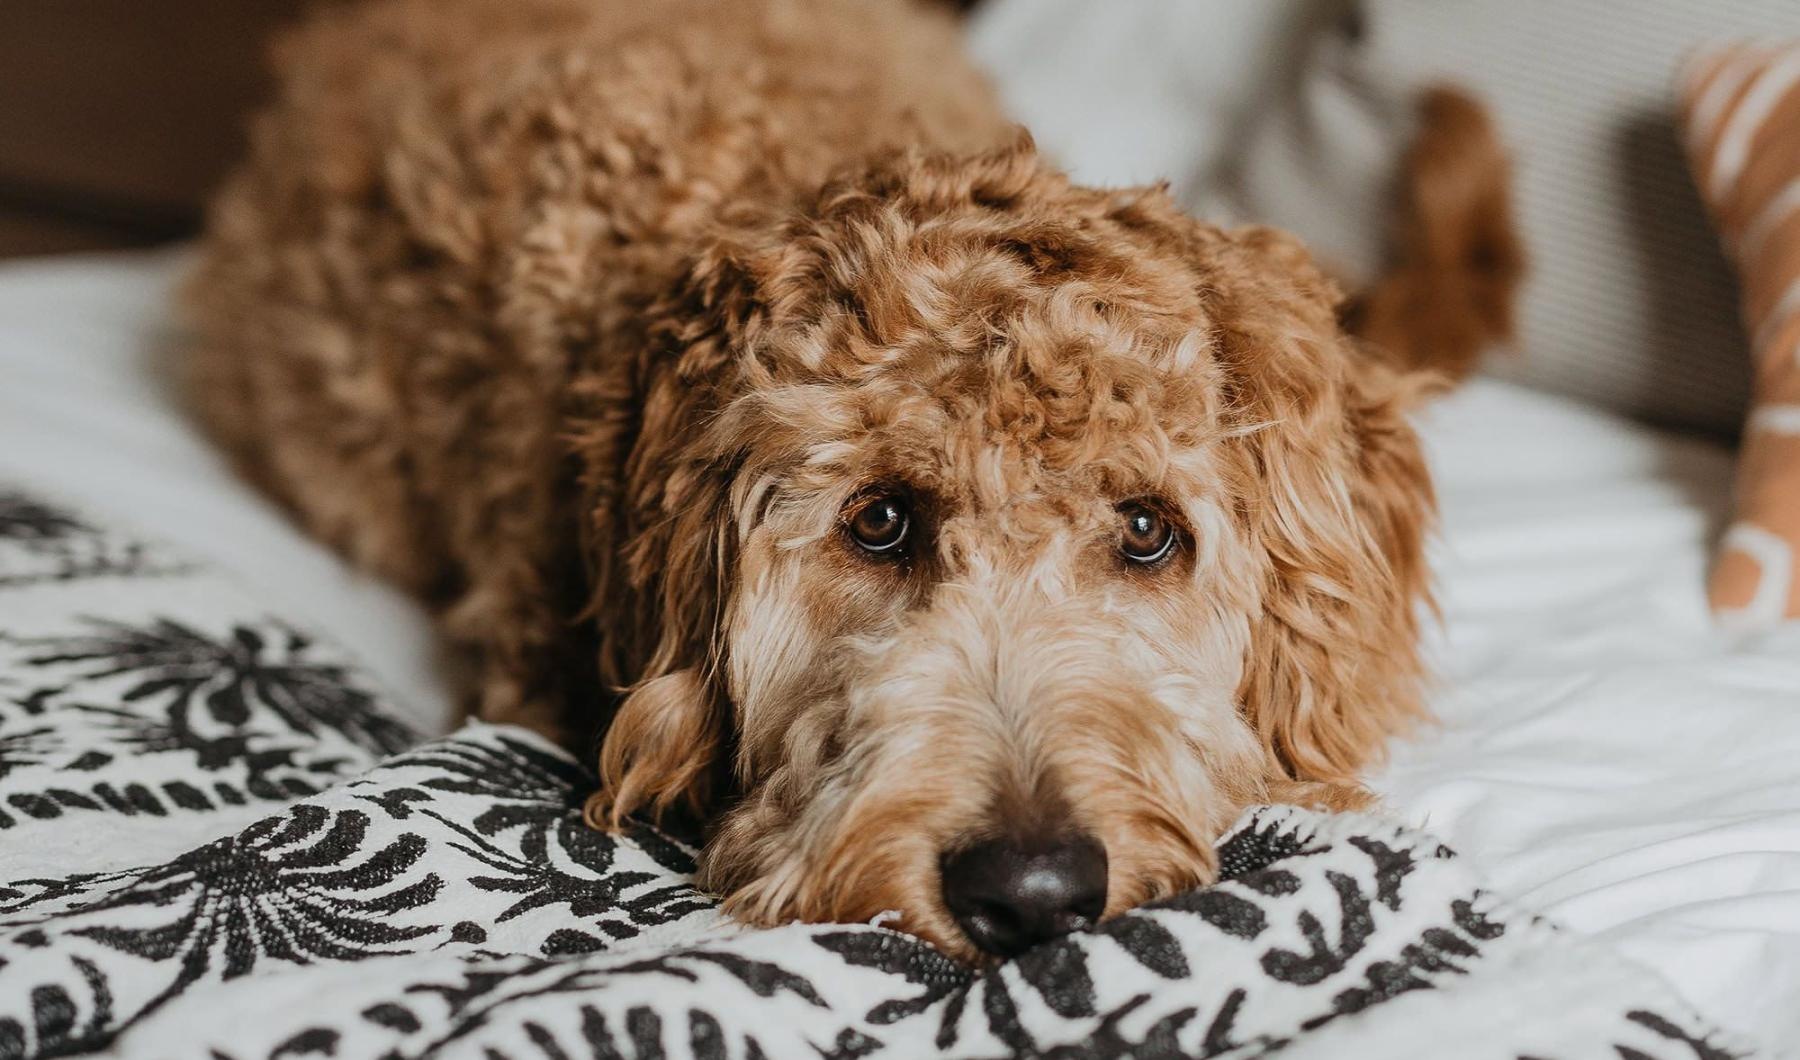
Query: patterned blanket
[[214, 842]]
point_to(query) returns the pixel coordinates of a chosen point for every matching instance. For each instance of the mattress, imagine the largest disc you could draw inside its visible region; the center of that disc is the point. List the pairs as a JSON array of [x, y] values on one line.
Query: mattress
[[1603, 753]]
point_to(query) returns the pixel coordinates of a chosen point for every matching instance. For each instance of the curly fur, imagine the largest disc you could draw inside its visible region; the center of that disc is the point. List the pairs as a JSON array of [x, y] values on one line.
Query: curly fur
[[586, 322]]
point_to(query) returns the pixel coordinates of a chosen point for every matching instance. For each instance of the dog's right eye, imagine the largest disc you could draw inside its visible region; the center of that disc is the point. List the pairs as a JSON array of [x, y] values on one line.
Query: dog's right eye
[[1147, 538], [881, 524]]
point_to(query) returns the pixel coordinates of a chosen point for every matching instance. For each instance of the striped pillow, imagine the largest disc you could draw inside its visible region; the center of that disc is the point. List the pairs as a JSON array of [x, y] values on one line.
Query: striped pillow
[[1740, 111]]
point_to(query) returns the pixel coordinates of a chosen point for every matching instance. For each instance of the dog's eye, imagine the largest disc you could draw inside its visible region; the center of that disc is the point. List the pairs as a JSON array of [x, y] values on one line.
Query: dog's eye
[[1146, 537], [880, 525]]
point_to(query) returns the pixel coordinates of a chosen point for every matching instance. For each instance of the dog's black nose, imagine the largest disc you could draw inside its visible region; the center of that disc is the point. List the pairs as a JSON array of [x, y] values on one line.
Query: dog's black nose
[[1010, 896]]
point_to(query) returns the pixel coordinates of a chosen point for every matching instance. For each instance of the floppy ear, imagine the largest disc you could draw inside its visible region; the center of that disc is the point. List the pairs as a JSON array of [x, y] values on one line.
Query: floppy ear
[[662, 750], [665, 746], [1337, 497], [657, 485]]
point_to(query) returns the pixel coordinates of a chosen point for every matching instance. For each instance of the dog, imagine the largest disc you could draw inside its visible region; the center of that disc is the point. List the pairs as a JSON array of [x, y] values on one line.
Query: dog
[[739, 385]]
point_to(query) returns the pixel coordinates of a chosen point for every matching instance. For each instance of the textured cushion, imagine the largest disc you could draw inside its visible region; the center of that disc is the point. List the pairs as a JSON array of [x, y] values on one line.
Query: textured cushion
[[1741, 118], [1629, 303]]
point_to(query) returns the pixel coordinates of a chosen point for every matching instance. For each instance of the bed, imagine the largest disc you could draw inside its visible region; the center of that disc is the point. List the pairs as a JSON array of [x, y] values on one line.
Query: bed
[[1605, 755]]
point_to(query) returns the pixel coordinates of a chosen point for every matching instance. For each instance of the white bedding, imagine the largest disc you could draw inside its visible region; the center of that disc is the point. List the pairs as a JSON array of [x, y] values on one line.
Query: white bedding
[[89, 409], [1605, 754]]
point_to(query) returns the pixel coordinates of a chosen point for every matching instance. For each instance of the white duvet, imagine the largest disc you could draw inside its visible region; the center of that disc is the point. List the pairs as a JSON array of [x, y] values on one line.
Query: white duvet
[[1604, 754]]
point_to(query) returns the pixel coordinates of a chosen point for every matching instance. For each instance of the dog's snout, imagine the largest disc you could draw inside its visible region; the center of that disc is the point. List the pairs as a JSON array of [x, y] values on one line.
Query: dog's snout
[[1010, 896]]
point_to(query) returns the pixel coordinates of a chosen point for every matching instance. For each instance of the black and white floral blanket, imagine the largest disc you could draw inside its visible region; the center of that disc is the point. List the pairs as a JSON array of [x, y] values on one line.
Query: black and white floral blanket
[[214, 842]]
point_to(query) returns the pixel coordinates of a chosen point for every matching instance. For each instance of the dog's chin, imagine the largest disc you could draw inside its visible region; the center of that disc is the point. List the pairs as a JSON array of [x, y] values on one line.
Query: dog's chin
[[908, 903], [896, 887]]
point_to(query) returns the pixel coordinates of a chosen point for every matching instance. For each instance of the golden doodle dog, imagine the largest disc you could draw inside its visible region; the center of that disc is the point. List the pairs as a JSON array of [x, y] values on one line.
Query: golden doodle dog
[[950, 538]]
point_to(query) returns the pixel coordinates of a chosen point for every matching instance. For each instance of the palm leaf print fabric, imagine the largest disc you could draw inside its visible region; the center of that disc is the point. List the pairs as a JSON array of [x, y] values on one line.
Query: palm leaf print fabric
[[215, 842]]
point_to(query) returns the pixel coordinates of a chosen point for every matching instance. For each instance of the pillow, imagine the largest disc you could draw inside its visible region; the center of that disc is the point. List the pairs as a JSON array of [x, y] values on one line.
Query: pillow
[[1740, 111], [1133, 93], [1628, 304]]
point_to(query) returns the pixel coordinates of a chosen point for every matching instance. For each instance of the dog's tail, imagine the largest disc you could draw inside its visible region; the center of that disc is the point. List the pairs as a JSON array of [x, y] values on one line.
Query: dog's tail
[[1456, 260]]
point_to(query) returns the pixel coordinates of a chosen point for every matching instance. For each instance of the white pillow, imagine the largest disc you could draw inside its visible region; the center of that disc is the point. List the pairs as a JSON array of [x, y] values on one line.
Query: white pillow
[[1630, 303]]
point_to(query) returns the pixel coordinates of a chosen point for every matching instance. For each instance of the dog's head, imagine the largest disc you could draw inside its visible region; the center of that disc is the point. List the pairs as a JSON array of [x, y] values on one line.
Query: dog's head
[[989, 542]]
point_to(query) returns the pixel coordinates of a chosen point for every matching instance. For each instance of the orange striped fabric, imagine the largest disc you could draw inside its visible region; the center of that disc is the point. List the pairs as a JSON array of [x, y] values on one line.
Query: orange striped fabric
[[1740, 114]]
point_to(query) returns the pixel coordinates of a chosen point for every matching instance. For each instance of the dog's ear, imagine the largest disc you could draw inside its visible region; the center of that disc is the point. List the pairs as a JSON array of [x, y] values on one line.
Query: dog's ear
[[657, 463], [661, 751], [1336, 495]]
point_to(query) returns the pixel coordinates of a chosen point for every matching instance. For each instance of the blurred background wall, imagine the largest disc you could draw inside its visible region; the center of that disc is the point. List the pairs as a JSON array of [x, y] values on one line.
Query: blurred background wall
[[117, 116]]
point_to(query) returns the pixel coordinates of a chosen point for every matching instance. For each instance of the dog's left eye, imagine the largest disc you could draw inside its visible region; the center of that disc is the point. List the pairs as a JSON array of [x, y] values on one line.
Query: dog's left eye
[[880, 525], [1146, 537]]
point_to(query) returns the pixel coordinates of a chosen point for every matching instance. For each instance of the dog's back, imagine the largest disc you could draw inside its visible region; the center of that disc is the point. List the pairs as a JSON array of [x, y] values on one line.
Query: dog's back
[[455, 207]]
